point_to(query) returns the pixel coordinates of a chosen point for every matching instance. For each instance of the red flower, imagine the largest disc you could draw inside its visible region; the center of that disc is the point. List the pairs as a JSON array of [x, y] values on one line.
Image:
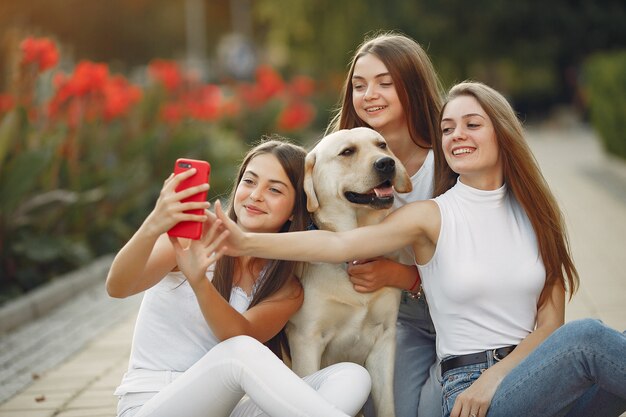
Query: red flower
[[302, 86], [296, 116], [172, 113], [119, 96], [41, 52], [6, 103], [90, 93], [203, 103], [269, 82], [251, 95], [89, 77], [166, 72]]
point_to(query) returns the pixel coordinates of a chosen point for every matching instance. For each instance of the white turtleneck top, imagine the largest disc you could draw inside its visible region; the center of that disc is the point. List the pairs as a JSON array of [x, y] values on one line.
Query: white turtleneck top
[[485, 277]]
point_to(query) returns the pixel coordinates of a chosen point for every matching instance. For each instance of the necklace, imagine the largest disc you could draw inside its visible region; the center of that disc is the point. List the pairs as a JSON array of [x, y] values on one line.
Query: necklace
[[407, 162]]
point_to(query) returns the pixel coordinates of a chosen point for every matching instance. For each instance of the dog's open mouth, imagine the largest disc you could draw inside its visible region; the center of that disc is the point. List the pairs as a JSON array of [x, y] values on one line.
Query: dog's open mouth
[[378, 197]]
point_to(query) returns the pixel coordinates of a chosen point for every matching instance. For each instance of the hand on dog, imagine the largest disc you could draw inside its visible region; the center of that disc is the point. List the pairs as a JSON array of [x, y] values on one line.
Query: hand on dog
[[369, 275]]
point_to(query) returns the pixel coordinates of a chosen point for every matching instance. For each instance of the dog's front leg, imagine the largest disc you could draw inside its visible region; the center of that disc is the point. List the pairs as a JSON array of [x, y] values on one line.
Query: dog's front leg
[[380, 364], [306, 351]]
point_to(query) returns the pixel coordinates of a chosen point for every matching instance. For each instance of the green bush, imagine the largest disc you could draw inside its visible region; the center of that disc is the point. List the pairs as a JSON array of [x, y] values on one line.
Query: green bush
[[605, 82], [82, 166]]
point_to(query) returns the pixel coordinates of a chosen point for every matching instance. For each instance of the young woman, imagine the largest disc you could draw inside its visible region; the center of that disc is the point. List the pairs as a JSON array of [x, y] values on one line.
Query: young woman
[[197, 347], [393, 88], [495, 263]]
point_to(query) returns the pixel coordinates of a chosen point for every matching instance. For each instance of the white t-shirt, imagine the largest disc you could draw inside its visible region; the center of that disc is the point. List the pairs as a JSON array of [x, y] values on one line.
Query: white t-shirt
[[486, 274], [171, 334], [422, 182]]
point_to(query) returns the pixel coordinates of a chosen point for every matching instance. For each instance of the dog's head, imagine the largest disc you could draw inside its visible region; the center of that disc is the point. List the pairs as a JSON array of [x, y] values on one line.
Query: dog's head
[[356, 167]]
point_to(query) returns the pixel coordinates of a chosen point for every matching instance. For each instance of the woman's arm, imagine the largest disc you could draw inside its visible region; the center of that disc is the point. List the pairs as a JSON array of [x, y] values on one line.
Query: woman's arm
[[263, 321], [411, 225], [550, 316], [148, 255]]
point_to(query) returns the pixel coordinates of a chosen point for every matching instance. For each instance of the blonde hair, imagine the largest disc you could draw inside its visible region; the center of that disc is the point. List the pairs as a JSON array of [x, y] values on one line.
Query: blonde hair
[[523, 178]]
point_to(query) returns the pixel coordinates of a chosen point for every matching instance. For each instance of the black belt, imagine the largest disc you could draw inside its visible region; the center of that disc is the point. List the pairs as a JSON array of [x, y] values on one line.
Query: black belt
[[474, 358]]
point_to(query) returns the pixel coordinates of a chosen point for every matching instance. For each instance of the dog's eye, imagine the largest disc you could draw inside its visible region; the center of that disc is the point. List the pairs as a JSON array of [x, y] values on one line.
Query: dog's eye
[[382, 145], [347, 152]]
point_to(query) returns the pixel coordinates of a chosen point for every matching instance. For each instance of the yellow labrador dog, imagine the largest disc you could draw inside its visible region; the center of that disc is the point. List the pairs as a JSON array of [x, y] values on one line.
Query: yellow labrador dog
[[349, 180]]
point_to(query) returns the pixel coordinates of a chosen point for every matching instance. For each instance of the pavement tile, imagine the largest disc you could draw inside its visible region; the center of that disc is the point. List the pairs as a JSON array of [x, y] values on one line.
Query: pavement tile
[[31, 413]]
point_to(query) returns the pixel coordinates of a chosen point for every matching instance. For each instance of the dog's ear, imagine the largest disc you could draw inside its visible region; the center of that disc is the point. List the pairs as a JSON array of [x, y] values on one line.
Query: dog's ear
[[311, 199], [402, 182]]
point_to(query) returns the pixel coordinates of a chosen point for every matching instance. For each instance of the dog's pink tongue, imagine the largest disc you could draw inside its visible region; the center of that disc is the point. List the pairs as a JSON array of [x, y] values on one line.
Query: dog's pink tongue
[[383, 191]]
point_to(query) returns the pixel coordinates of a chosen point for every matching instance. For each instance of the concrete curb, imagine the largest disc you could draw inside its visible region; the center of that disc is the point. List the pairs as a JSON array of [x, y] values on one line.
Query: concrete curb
[[40, 301]]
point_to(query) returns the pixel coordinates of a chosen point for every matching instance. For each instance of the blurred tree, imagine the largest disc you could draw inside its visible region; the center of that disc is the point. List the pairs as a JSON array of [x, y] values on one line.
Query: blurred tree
[[532, 50]]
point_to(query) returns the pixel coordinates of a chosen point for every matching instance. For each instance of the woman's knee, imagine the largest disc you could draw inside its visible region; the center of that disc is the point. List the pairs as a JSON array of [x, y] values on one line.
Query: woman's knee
[[240, 348], [356, 374], [585, 330]]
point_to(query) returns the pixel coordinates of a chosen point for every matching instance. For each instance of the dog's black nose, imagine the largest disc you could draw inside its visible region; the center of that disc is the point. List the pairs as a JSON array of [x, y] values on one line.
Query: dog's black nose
[[386, 165]]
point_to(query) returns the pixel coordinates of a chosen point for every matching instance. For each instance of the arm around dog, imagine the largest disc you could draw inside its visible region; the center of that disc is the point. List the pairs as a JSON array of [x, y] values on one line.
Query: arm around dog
[[410, 225]]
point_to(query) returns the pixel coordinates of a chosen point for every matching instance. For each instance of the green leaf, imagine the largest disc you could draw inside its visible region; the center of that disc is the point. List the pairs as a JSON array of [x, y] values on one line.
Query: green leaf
[[19, 178], [8, 128]]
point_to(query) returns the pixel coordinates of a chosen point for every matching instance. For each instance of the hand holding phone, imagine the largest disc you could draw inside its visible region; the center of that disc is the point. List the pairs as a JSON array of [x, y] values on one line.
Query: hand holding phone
[[191, 229]]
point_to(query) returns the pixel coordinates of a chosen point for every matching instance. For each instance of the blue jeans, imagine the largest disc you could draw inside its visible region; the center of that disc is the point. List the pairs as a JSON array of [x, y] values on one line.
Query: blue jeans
[[417, 386], [580, 370]]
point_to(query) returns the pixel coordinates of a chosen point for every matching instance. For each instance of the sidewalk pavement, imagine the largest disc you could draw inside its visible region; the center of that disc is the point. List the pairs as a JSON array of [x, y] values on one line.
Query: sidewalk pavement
[[590, 187]]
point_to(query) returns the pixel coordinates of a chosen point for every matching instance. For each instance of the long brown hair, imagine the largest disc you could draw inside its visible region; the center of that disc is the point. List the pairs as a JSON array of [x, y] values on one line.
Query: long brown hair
[[416, 83], [523, 178], [275, 273]]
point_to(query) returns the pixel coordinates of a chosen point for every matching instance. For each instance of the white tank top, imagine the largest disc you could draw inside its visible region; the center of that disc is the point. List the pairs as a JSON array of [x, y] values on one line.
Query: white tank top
[[486, 274], [422, 182], [171, 334]]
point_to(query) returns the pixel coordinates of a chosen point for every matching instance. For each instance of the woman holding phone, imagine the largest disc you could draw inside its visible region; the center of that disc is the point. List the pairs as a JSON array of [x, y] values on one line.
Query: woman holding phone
[[198, 341], [493, 254]]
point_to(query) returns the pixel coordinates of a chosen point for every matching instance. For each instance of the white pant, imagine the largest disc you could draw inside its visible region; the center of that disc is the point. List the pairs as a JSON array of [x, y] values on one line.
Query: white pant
[[214, 386]]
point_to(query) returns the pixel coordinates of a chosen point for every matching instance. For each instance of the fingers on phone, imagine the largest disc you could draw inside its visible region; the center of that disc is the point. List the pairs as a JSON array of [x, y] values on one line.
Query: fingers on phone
[[194, 205], [188, 192]]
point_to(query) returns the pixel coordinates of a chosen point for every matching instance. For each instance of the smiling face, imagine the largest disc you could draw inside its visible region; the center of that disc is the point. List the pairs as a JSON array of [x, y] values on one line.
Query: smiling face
[[374, 96], [470, 144], [264, 199]]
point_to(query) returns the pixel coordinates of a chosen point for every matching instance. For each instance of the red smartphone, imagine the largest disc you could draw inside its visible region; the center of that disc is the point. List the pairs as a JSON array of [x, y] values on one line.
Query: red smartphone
[[190, 229]]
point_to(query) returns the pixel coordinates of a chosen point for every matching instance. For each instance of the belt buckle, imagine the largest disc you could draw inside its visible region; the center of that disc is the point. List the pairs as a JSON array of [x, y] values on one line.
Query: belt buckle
[[495, 356]]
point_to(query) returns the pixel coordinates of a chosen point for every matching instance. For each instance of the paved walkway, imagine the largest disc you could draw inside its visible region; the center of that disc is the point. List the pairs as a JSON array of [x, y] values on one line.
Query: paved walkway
[[590, 187]]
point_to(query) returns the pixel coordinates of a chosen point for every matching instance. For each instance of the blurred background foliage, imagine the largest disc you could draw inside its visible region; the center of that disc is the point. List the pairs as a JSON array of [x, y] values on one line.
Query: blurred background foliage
[[98, 98]]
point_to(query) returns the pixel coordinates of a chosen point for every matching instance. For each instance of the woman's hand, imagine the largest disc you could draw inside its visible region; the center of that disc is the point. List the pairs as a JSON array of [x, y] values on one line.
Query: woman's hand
[[195, 259], [370, 275], [234, 238], [169, 210], [475, 400]]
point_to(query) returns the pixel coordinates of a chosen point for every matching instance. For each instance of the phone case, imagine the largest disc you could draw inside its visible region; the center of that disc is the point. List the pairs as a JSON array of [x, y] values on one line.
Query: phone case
[[190, 229]]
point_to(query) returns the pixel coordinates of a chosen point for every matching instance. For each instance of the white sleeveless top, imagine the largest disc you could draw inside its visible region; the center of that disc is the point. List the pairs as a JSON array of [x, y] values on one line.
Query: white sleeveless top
[[422, 182], [171, 334], [486, 274]]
